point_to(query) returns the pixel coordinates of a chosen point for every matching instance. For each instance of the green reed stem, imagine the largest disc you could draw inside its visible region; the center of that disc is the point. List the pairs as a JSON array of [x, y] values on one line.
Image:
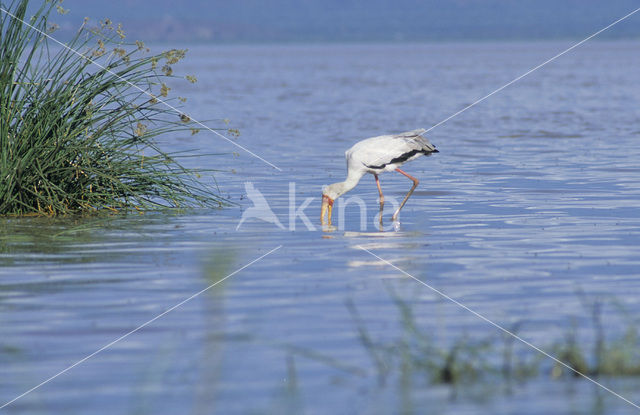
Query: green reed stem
[[75, 137]]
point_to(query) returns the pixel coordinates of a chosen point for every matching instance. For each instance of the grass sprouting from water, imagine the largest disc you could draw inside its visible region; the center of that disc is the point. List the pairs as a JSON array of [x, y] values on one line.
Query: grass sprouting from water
[[76, 137], [502, 360], [619, 356]]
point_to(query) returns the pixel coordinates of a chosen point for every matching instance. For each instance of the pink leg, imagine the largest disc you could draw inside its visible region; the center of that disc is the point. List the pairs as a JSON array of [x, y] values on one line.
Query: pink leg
[[415, 184], [381, 196]]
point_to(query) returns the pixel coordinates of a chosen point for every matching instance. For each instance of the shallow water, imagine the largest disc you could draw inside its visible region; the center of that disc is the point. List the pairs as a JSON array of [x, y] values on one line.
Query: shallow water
[[530, 207]]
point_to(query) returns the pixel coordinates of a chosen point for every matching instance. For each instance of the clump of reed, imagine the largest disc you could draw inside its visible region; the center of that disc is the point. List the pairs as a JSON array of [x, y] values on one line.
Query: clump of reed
[[464, 360], [467, 360], [80, 137], [617, 357]]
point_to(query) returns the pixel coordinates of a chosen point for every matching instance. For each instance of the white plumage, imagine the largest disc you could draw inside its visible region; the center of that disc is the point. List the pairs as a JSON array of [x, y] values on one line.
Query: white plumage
[[376, 155], [388, 152]]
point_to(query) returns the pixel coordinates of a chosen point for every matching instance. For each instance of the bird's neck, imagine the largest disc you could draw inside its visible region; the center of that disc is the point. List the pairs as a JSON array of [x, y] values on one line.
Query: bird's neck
[[352, 180]]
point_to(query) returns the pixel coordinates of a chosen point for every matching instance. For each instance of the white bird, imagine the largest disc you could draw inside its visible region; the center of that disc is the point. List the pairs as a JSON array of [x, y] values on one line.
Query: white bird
[[376, 155]]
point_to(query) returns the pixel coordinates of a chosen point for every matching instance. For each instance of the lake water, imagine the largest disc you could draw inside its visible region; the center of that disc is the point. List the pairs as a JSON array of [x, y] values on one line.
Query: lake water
[[529, 212]]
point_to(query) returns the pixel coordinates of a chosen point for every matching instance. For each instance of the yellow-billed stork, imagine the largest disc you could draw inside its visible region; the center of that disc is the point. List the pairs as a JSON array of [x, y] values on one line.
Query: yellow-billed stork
[[376, 155]]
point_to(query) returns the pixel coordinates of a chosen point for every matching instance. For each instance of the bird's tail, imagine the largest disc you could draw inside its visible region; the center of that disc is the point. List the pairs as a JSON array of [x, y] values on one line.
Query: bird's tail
[[423, 142]]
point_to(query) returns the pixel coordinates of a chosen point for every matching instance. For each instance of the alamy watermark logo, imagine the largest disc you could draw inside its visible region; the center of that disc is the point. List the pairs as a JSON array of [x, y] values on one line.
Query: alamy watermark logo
[[297, 212]]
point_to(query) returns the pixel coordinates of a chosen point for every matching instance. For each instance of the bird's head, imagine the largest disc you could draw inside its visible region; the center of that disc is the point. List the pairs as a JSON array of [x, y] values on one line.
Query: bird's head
[[329, 194]]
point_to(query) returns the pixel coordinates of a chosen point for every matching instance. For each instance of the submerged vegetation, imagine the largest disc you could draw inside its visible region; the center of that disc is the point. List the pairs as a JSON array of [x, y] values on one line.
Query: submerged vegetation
[[79, 121], [502, 359]]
